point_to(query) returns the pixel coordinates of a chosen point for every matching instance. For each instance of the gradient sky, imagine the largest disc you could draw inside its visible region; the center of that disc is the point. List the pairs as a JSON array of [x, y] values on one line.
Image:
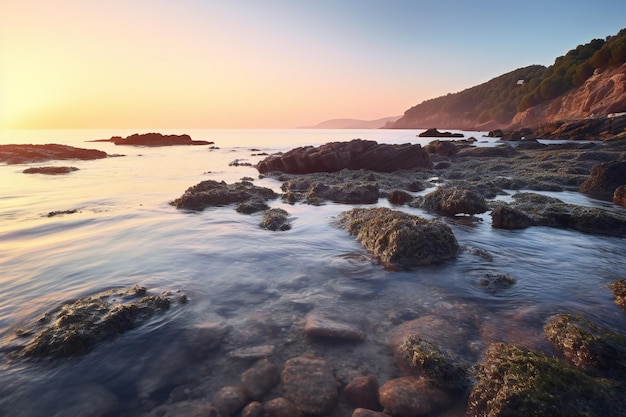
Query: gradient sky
[[267, 63]]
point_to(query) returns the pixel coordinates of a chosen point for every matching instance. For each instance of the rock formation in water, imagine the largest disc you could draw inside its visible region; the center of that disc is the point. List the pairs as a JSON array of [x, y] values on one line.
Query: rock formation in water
[[211, 193], [24, 154], [354, 155], [155, 139]]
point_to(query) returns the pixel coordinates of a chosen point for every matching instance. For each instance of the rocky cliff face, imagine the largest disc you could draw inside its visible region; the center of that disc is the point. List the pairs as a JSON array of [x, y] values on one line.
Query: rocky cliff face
[[602, 94]]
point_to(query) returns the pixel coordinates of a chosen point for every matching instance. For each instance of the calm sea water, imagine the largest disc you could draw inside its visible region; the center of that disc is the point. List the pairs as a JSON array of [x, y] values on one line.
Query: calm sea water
[[260, 283]]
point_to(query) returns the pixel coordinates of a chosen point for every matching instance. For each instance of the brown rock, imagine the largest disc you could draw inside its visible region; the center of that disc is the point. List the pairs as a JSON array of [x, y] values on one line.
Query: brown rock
[[605, 178], [260, 379], [619, 196], [24, 154], [254, 409], [399, 197], [362, 412], [411, 396], [619, 292], [309, 384], [362, 392], [319, 326], [506, 217], [282, 407], [155, 139], [50, 170], [356, 154], [229, 400]]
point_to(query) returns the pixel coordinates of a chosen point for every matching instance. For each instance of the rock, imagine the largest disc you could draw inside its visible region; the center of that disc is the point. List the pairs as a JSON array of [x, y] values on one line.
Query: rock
[[494, 282], [619, 292], [276, 219], [362, 412], [308, 382], [61, 212], [50, 170], [228, 400], [552, 212], [254, 409], [445, 148], [605, 178], [349, 193], [400, 240], [251, 206], [25, 154], [399, 197], [411, 396], [154, 139], [504, 151], [507, 217], [78, 326], [353, 155], [184, 409], [281, 407], [586, 345], [260, 379], [211, 193], [317, 325], [516, 382], [434, 133], [362, 392], [498, 133], [451, 200], [255, 352], [619, 196], [438, 365]]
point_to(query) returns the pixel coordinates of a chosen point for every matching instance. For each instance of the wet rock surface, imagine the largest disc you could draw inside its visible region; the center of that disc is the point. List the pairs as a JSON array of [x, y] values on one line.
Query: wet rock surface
[[318, 325], [451, 200], [78, 326], [398, 239], [50, 170], [619, 292], [412, 396], [211, 193], [605, 178], [276, 219], [354, 155], [24, 154], [309, 384]]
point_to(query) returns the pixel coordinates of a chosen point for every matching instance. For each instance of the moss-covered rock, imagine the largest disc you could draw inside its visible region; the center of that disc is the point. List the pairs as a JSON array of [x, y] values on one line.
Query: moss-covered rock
[[619, 292], [78, 326], [276, 219], [211, 193], [516, 382], [451, 200], [440, 366], [398, 239], [589, 346]]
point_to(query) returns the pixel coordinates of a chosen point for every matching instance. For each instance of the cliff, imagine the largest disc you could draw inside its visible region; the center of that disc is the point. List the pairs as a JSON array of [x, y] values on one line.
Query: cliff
[[602, 94]]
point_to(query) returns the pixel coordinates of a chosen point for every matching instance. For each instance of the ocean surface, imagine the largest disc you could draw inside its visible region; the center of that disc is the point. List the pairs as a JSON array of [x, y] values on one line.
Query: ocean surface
[[259, 283]]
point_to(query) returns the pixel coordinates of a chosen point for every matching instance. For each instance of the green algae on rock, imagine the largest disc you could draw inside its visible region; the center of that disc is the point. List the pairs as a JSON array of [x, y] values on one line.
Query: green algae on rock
[[517, 382], [587, 345], [398, 239], [78, 326], [440, 366], [619, 292]]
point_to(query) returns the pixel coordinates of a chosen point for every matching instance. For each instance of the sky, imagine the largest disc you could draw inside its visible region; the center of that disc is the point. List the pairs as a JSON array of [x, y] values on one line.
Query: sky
[[267, 63]]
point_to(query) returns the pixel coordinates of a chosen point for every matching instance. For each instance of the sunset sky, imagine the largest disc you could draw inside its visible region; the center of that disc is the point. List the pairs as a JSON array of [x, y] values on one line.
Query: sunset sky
[[267, 63]]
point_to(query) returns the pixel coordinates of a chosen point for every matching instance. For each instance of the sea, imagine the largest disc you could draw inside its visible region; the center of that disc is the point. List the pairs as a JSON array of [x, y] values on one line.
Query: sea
[[119, 230]]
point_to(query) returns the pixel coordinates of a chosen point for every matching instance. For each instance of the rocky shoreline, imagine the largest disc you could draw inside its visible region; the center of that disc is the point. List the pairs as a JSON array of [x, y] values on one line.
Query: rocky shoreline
[[439, 372]]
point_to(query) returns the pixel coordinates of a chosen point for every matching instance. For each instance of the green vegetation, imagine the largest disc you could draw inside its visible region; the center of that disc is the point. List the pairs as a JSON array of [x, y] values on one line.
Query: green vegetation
[[502, 97]]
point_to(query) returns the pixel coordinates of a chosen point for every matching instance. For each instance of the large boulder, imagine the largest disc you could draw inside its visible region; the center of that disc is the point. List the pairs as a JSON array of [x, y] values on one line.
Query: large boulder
[[517, 382], [398, 239], [309, 383], [453, 200], [354, 155], [211, 193], [605, 178], [24, 154]]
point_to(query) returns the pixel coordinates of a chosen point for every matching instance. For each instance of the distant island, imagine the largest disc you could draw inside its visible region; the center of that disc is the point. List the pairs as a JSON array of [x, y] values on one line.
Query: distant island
[[354, 124]]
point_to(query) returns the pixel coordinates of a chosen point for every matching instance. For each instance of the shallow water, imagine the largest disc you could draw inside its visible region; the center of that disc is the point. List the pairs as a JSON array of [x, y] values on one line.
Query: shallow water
[[260, 283]]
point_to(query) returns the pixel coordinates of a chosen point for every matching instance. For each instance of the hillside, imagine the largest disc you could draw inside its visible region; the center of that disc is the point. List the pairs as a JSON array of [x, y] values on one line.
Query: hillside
[[353, 123], [587, 81]]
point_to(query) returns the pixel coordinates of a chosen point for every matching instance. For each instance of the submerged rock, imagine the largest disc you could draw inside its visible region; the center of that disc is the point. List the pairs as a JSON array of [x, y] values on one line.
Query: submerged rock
[[281, 407], [260, 379], [319, 326], [588, 346], [211, 193], [362, 392], [507, 217], [411, 396], [398, 239], [309, 384], [24, 154], [619, 292], [228, 400], [451, 200], [516, 382], [78, 326], [354, 155]]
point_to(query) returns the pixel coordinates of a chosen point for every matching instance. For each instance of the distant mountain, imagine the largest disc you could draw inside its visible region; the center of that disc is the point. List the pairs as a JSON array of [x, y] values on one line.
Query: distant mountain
[[354, 123], [588, 81]]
